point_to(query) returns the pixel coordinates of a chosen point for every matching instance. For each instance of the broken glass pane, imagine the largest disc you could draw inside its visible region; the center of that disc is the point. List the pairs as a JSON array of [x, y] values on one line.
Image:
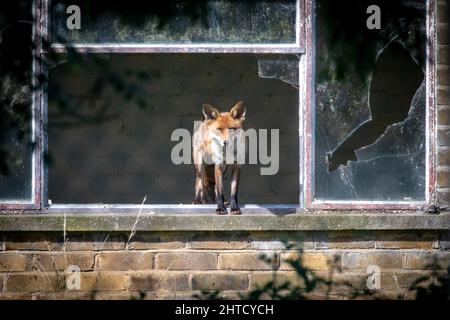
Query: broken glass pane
[[197, 21], [281, 67], [370, 101], [15, 101]]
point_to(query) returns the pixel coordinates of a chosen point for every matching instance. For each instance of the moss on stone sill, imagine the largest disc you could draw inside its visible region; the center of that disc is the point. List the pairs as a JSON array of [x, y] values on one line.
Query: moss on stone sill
[[84, 222]]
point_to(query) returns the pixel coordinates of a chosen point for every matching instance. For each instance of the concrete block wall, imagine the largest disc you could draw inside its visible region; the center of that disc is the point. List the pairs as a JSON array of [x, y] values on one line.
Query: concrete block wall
[[129, 156]]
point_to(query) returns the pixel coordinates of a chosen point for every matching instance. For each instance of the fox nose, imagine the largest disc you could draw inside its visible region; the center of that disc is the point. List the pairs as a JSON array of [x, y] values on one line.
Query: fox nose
[[225, 143]]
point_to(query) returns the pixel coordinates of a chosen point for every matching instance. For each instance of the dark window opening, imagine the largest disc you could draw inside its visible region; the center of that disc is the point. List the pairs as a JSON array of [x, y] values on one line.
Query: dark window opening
[[144, 98]]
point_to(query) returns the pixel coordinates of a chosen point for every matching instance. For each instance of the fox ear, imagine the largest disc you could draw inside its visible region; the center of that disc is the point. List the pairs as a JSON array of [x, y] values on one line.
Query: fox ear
[[210, 112], [238, 111]]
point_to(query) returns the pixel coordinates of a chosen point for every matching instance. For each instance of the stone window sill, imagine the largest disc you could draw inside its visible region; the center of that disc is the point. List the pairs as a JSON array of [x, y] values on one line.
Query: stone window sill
[[304, 221]]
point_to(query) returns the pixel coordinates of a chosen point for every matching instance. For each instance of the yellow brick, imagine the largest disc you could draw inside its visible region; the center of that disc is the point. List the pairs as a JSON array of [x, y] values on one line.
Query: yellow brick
[[261, 279], [159, 281], [220, 245], [60, 261], [427, 260], [125, 260], [362, 260], [103, 281], [187, 261], [311, 260], [14, 262], [219, 281], [36, 282], [246, 261]]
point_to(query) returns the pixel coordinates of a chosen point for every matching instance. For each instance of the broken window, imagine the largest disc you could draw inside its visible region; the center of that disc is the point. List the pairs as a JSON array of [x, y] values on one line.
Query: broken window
[[370, 102], [353, 95], [199, 21]]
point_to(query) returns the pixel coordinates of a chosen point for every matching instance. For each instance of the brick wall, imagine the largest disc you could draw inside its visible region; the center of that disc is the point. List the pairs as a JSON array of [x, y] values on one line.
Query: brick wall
[[443, 102], [179, 265]]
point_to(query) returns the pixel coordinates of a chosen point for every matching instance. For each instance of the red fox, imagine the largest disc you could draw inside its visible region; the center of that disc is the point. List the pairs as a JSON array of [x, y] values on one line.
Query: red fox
[[216, 135]]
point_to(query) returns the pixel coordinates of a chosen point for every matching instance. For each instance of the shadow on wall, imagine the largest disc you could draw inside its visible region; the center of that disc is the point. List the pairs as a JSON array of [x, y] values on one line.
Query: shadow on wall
[[307, 284], [293, 265]]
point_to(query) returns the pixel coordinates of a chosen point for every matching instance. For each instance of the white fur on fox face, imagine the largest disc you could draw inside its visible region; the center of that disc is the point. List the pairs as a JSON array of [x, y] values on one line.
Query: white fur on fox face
[[230, 153]]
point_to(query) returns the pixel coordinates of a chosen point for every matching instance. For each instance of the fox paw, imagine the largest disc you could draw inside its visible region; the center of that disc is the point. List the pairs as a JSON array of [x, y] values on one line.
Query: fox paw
[[236, 212], [221, 212], [197, 202]]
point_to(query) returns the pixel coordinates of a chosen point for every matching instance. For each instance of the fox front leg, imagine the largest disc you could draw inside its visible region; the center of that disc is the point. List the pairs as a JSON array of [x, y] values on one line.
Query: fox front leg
[[234, 206], [198, 185], [218, 171]]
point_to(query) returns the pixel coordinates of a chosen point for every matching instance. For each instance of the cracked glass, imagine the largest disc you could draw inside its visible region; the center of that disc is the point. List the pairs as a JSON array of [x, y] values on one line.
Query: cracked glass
[[281, 67], [370, 102], [195, 21]]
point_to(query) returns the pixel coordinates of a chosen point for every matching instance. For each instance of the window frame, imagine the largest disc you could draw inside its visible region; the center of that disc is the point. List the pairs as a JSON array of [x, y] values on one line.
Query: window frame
[[199, 48], [35, 203], [430, 135]]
